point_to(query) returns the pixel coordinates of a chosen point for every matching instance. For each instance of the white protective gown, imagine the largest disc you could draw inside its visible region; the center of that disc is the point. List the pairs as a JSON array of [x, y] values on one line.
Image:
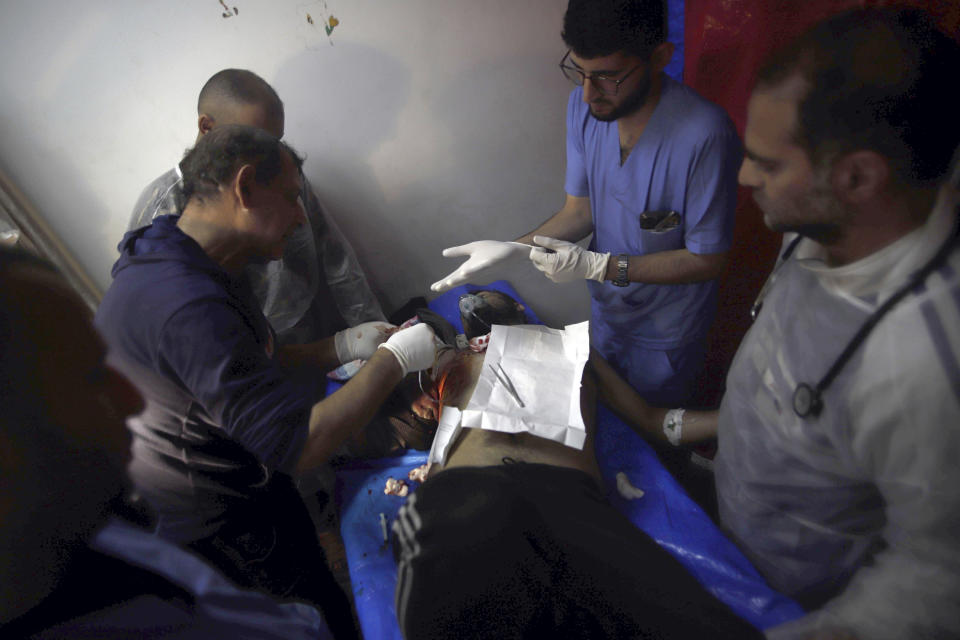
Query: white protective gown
[[857, 510]]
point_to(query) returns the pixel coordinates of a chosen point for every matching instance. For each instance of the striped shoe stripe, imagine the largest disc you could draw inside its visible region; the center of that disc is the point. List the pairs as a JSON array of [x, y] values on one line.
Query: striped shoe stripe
[[406, 525]]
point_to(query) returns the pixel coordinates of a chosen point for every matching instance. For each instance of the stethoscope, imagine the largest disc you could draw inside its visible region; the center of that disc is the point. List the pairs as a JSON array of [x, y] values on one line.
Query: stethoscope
[[808, 399]]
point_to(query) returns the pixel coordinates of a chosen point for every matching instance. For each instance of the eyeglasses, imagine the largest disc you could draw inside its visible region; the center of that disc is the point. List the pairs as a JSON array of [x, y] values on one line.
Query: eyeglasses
[[604, 84]]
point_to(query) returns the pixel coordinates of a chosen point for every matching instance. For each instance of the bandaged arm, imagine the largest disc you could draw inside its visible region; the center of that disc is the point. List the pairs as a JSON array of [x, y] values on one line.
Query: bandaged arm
[[623, 400]]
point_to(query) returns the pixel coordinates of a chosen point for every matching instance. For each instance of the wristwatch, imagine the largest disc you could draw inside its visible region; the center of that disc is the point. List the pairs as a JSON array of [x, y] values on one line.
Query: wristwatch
[[623, 262]]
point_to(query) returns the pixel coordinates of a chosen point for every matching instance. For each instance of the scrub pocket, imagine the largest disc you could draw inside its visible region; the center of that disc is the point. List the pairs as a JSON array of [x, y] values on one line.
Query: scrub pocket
[[659, 230], [654, 241]]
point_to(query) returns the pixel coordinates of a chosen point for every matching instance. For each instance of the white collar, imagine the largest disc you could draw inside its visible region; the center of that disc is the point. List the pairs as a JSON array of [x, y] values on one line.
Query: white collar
[[881, 273]]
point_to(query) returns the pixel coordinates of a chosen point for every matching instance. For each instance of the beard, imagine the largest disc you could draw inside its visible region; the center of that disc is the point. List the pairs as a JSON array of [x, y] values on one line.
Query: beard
[[817, 214], [630, 104]]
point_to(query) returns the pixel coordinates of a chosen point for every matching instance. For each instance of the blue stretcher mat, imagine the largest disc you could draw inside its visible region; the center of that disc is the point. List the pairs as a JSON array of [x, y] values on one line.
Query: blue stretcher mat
[[665, 512]]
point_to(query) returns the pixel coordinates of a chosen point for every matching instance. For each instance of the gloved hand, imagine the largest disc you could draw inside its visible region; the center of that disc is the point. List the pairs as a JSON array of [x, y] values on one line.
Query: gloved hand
[[570, 262], [361, 342], [415, 347], [488, 260]]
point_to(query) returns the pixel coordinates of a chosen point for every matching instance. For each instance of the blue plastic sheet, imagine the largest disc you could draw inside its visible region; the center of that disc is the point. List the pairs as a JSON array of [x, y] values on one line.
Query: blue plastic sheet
[[669, 516], [373, 572], [666, 513]]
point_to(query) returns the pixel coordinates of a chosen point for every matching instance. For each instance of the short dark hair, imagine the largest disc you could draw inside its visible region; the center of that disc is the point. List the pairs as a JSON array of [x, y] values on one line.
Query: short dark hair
[[497, 308], [219, 155], [879, 79], [596, 28], [241, 87]]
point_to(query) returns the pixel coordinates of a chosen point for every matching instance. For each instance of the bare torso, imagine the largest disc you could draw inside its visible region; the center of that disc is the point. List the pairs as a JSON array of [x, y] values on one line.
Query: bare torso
[[480, 448]]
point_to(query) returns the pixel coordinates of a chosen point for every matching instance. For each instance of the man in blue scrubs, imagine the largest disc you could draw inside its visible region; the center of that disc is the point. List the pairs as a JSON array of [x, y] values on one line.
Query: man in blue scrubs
[[639, 146], [838, 433]]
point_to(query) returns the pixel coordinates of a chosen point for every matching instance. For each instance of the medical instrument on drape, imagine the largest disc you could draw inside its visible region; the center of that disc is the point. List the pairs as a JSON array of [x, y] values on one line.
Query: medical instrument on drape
[[507, 383], [383, 527], [807, 399]]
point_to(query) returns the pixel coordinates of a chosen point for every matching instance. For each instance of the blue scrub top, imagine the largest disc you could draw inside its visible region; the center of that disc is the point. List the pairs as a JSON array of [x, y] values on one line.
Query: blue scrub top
[[686, 160]]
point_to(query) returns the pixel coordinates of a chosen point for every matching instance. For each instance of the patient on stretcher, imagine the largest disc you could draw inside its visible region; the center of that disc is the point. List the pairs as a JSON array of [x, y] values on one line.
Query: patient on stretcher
[[514, 538], [408, 419]]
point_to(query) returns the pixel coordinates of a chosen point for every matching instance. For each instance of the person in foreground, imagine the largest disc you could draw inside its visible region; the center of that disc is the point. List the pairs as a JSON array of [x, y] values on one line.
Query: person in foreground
[[225, 423], [651, 173], [68, 570], [839, 431], [514, 538], [317, 287]]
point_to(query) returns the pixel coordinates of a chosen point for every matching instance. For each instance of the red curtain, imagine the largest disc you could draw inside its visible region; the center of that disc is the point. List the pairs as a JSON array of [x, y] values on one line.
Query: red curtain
[[725, 41]]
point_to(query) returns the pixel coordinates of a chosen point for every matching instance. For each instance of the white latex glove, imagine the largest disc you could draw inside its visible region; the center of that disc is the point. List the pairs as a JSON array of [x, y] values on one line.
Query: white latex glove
[[415, 347], [570, 262], [488, 260], [361, 342]]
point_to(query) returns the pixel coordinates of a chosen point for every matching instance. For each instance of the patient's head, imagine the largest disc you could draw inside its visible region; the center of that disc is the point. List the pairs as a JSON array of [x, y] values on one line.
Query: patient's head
[[481, 309], [63, 440]]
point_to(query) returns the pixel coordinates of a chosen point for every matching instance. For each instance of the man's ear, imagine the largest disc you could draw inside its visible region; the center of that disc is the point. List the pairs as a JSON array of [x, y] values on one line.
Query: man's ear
[[242, 185], [860, 176], [205, 123], [661, 56]]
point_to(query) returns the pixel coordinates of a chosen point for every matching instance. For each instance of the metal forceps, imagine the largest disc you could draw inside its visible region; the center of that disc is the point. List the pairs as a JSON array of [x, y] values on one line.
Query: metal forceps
[[507, 383]]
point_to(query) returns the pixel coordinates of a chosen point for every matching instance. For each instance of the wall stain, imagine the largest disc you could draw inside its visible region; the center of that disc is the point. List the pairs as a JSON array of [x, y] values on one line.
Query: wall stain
[[227, 13], [323, 17], [331, 23]]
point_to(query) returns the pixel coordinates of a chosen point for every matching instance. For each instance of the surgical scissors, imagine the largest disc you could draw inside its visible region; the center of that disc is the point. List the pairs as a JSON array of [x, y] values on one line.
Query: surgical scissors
[[506, 382]]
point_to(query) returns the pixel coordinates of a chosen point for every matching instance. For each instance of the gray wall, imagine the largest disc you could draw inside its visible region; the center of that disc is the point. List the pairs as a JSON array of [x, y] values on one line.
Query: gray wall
[[426, 123]]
